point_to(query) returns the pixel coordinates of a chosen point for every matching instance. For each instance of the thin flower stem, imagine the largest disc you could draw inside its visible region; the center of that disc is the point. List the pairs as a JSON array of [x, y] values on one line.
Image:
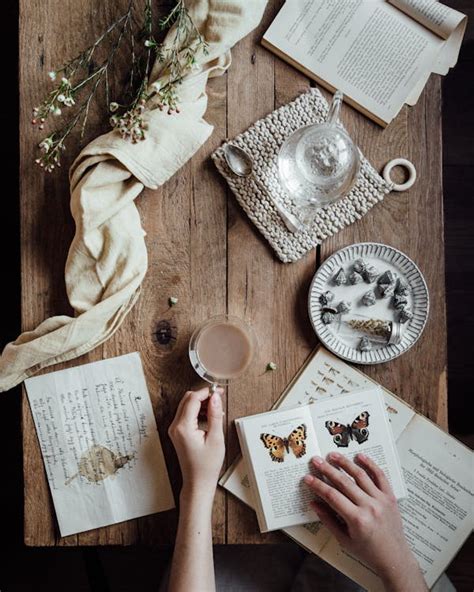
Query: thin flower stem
[[178, 57]]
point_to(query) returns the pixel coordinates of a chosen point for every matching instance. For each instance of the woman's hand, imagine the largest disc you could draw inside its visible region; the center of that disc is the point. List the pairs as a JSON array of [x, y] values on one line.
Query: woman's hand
[[362, 513], [200, 453], [200, 456]]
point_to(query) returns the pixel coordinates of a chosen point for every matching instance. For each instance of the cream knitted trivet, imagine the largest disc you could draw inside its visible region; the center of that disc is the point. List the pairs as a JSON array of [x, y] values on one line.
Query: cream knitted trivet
[[262, 141]]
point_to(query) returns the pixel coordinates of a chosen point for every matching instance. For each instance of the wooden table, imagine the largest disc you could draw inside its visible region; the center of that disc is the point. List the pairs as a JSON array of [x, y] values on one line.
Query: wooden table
[[204, 250]]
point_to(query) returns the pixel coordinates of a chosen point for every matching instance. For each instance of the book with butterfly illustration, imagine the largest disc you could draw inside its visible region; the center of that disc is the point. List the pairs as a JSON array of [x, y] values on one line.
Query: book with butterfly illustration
[[278, 446], [437, 513]]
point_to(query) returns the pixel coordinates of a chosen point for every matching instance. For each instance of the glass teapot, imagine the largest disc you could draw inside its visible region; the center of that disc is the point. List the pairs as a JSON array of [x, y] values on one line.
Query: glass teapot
[[318, 164]]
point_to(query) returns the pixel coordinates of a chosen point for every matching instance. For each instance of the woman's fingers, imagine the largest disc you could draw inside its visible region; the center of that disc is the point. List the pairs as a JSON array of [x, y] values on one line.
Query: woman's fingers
[[359, 474], [378, 476], [333, 497], [190, 405], [340, 481], [329, 520], [215, 417]]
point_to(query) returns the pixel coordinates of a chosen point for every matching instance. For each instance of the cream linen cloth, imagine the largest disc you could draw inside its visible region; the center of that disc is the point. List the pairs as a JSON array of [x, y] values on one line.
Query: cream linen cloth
[[107, 260]]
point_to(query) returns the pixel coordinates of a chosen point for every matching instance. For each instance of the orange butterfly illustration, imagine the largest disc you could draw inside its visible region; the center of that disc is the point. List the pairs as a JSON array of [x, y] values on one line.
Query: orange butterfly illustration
[[278, 447]]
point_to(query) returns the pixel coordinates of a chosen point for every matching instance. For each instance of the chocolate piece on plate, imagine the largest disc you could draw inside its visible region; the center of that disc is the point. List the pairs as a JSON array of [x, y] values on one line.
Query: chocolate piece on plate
[[370, 274], [343, 307], [402, 288], [328, 317], [340, 278], [388, 277], [326, 297], [365, 344], [355, 278], [386, 290], [369, 298], [405, 315], [399, 301], [359, 266]]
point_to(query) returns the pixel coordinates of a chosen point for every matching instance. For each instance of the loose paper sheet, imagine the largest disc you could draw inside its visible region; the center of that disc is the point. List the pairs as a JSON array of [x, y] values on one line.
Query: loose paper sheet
[[100, 445]]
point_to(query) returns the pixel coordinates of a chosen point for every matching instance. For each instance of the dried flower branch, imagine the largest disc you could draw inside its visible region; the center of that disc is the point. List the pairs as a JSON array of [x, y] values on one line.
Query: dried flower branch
[[178, 58], [81, 74]]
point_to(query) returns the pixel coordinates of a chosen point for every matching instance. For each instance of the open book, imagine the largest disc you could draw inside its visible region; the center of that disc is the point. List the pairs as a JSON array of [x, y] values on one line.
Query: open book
[[379, 53], [278, 446], [437, 469]]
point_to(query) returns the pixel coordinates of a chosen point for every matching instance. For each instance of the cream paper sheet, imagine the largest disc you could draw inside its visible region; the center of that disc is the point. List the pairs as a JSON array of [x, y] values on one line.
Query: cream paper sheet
[[99, 442]]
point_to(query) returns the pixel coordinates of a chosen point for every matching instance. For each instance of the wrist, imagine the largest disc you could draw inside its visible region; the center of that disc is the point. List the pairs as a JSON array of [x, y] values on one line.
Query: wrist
[[396, 575], [200, 493]]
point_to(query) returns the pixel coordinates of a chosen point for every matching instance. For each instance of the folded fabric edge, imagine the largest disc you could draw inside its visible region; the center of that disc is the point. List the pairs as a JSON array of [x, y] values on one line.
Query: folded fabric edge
[[76, 352]]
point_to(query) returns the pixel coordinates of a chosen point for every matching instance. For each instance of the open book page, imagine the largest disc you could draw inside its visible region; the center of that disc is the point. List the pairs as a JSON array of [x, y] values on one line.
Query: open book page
[[355, 423], [325, 376], [100, 445], [438, 513], [313, 536], [448, 23], [371, 51], [439, 18], [278, 447]]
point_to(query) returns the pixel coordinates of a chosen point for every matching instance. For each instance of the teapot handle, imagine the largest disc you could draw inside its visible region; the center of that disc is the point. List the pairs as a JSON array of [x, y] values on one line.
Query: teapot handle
[[334, 108]]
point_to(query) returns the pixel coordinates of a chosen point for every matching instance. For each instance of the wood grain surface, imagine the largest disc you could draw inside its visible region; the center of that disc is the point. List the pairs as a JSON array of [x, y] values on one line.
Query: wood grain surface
[[203, 250]]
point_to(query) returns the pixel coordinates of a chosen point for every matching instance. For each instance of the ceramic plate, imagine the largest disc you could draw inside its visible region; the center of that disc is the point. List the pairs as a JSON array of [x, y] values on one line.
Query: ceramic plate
[[343, 341]]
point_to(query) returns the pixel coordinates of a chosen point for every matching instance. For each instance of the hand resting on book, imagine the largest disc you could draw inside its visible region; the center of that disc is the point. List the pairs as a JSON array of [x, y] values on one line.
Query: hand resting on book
[[362, 513]]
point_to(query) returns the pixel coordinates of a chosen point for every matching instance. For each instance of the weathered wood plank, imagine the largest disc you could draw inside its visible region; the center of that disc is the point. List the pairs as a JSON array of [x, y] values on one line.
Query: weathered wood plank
[[203, 249], [46, 224]]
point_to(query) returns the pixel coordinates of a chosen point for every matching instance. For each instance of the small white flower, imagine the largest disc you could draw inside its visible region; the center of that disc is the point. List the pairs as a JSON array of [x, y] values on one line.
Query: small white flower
[[113, 106], [65, 81], [149, 43], [173, 301], [61, 98], [52, 75], [69, 101], [156, 86], [271, 366], [45, 145], [57, 111], [52, 108]]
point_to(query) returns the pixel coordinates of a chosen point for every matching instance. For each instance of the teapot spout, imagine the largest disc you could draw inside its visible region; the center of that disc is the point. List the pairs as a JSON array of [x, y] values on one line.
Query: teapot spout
[[334, 108]]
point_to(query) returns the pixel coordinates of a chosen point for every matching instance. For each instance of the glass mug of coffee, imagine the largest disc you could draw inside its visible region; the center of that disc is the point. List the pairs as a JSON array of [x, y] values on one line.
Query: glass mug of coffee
[[222, 349]]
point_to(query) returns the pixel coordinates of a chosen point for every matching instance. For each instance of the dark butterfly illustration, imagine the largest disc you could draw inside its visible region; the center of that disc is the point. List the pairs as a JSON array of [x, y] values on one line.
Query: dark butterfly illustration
[[343, 434], [278, 447]]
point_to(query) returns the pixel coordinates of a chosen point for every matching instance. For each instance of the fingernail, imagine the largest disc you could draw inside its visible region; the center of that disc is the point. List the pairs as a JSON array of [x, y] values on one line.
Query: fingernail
[[317, 460], [361, 456], [215, 400], [335, 455], [308, 479]]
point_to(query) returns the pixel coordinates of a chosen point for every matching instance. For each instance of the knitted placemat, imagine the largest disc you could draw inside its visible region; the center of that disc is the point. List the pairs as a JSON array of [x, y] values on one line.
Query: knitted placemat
[[262, 141]]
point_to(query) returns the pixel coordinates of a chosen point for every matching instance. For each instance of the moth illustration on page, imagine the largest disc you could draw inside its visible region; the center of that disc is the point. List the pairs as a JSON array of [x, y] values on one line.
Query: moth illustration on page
[[278, 447], [343, 434]]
